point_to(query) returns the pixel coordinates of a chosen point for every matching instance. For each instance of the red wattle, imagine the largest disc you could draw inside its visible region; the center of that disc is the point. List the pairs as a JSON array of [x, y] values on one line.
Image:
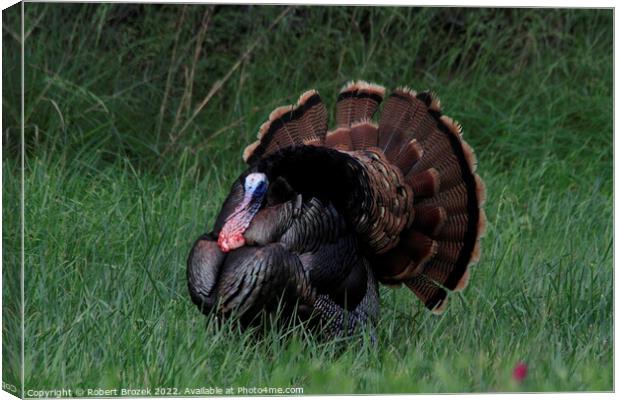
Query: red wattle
[[231, 235], [230, 242]]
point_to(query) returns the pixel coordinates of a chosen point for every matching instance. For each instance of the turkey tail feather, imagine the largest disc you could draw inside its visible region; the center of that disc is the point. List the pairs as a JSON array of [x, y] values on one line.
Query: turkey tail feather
[[432, 295], [440, 167], [304, 123], [356, 104], [357, 101], [364, 134]]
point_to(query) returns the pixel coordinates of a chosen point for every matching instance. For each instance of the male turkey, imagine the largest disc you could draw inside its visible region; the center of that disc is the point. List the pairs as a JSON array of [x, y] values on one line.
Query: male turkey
[[320, 217]]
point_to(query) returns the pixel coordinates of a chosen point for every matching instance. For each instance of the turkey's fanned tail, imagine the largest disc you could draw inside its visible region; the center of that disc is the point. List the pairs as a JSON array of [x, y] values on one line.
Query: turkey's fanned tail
[[435, 251]]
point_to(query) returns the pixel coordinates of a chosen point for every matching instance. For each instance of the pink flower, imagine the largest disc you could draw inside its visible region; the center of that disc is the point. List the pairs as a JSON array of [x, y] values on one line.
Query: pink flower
[[520, 371]]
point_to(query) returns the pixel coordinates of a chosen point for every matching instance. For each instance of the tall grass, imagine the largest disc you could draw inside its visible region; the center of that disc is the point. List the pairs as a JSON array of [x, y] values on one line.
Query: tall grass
[[135, 119]]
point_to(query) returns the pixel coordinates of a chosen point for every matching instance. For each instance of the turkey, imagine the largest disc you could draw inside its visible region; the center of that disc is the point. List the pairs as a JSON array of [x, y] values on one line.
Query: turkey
[[320, 217]]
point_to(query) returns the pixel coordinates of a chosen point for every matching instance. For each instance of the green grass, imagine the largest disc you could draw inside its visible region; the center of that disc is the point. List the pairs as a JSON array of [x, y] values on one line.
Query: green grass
[[120, 178]]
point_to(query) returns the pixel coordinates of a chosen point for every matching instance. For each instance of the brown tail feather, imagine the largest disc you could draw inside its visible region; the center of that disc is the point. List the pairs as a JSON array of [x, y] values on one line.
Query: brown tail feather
[[438, 270], [364, 134], [302, 123], [339, 139], [313, 121], [431, 100], [426, 183], [410, 155], [453, 200], [448, 251], [401, 115], [431, 294], [454, 228], [429, 220], [463, 282], [420, 246], [357, 101]]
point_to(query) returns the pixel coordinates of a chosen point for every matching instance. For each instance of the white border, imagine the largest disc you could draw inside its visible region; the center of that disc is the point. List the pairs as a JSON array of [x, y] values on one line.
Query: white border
[[458, 3]]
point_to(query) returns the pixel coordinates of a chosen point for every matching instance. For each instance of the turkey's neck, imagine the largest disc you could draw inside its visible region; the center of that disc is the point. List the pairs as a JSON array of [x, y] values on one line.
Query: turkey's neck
[[231, 235]]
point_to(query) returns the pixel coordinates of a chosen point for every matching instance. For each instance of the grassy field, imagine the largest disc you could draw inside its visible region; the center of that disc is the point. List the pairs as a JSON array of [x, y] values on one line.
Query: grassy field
[[135, 118]]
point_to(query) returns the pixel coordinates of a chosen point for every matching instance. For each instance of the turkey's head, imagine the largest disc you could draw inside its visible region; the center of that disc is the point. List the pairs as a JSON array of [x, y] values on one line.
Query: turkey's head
[[254, 190]]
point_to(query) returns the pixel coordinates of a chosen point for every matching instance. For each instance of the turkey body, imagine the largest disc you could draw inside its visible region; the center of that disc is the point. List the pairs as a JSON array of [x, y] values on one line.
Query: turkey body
[[320, 218]]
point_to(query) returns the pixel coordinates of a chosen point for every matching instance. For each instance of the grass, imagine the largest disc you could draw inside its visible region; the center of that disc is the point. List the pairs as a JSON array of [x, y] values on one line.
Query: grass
[[124, 169]]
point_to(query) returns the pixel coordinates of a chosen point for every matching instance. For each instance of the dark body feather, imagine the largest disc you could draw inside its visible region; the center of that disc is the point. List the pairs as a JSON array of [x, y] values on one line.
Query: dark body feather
[[398, 202]]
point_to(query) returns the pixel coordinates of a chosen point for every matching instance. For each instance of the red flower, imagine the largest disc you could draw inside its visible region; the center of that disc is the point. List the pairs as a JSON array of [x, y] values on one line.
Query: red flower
[[519, 372]]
